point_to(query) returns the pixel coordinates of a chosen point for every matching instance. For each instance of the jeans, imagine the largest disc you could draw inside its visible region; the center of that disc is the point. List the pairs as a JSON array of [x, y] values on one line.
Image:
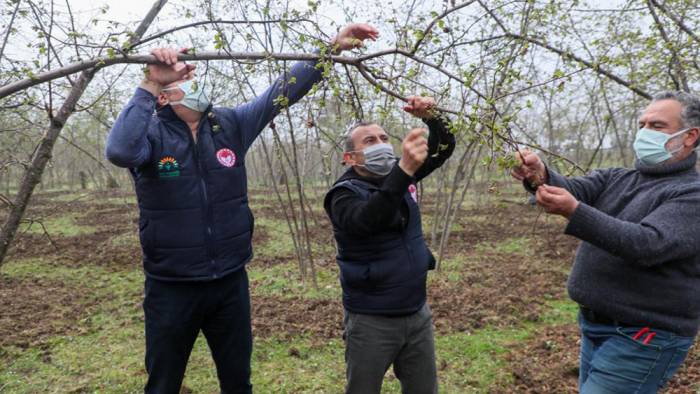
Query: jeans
[[626, 359], [373, 343], [177, 311]]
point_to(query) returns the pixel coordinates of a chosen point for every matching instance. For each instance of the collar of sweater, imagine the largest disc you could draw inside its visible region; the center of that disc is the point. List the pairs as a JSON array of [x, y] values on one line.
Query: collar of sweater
[[667, 168]]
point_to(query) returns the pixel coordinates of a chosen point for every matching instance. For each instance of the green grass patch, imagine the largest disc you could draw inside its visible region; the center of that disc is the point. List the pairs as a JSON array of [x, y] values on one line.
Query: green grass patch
[[126, 200], [62, 225], [563, 311], [455, 226], [283, 280], [126, 239], [280, 244], [450, 269], [279, 241], [474, 362], [516, 245]]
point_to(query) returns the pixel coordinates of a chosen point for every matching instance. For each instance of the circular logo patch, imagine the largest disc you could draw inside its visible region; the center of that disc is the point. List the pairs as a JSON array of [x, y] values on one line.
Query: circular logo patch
[[226, 157], [412, 190]]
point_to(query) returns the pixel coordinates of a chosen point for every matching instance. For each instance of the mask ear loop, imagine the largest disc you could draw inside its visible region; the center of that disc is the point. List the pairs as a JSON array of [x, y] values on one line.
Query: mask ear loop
[[697, 142]]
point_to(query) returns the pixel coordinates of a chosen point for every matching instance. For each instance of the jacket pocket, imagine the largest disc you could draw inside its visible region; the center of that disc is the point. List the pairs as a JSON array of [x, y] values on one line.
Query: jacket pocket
[[354, 275], [146, 234]]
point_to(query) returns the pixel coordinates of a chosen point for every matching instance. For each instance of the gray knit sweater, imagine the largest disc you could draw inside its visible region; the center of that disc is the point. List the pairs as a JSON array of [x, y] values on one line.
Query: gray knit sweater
[[639, 261]]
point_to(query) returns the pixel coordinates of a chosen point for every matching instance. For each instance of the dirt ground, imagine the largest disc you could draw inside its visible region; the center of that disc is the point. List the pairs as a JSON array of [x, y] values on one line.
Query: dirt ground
[[494, 288]]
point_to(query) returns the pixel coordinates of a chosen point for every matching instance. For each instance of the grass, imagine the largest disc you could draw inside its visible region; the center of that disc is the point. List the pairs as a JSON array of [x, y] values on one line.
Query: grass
[[105, 352], [61, 225], [126, 239], [126, 200], [107, 358], [280, 244], [282, 280], [515, 245], [560, 311]]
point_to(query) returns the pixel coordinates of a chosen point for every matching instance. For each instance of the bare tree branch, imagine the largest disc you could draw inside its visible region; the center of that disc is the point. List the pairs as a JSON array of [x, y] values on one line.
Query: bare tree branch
[[9, 28], [42, 154]]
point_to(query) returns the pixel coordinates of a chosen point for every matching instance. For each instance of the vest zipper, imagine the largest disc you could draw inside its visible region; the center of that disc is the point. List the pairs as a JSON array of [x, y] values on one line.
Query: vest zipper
[[205, 197]]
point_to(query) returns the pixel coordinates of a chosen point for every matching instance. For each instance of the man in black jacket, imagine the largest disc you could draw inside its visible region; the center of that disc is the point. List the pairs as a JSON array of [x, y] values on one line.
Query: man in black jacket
[[382, 255]]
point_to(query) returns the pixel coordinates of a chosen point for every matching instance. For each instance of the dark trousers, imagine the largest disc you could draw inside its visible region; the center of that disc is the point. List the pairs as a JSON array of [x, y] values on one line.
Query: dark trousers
[[176, 312], [373, 343]]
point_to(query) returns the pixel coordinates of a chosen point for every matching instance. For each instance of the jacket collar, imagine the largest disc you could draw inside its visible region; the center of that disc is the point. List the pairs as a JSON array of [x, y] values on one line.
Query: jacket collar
[[166, 113], [352, 174]]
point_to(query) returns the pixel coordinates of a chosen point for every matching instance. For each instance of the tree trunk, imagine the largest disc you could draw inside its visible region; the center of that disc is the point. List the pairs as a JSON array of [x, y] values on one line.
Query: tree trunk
[[32, 174]]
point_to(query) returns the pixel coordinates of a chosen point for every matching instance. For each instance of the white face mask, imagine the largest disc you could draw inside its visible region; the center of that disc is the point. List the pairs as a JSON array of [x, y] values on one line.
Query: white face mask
[[379, 159], [194, 98]]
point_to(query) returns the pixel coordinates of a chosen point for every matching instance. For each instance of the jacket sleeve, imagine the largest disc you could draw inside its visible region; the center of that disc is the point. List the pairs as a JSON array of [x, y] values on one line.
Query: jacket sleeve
[[287, 89], [667, 233], [585, 188], [127, 145], [441, 144], [379, 213]]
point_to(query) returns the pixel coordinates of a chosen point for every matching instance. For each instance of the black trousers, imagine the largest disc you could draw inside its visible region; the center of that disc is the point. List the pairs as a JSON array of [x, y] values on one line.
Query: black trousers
[[175, 313]]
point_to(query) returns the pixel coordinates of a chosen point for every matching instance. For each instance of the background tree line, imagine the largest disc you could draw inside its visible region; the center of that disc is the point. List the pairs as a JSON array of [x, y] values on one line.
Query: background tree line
[[566, 78]]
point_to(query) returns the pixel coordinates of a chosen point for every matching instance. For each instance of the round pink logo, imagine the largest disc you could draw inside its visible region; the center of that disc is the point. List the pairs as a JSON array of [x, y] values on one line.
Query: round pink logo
[[226, 157], [412, 190]]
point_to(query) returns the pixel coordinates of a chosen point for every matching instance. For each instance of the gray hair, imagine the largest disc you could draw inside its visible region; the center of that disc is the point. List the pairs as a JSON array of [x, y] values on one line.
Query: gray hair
[[348, 145], [690, 103]]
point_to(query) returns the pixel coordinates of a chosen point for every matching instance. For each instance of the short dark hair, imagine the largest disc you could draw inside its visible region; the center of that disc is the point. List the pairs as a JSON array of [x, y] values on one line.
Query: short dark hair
[[348, 145]]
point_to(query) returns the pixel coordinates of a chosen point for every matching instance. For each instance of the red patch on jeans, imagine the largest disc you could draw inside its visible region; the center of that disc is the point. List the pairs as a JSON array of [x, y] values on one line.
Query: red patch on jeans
[[226, 157]]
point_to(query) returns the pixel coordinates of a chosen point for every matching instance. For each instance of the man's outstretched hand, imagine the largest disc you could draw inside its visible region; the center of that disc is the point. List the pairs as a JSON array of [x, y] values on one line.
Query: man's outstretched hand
[[353, 35]]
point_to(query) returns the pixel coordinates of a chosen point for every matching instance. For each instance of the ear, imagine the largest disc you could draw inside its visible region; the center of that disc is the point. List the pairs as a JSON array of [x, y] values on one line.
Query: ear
[[348, 159], [693, 136], [162, 99]]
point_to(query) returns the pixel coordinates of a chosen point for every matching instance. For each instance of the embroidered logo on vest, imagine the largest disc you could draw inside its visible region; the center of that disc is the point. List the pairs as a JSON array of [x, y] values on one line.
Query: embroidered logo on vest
[[168, 167], [226, 157], [412, 190]]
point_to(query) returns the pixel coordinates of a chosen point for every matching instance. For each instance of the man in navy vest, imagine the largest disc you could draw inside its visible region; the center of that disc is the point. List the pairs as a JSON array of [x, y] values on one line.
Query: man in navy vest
[[382, 255], [188, 164]]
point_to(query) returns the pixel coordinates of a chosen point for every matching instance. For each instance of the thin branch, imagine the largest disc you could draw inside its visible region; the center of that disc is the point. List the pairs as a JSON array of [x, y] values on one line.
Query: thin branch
[[681, 81], [9, 28], [432, 23], [215, 22], [567, 55], [676, 20], [102, 62]]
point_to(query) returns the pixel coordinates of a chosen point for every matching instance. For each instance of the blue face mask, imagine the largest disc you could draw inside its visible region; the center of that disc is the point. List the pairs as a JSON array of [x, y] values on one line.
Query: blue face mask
[[194, 99], [650, 146]]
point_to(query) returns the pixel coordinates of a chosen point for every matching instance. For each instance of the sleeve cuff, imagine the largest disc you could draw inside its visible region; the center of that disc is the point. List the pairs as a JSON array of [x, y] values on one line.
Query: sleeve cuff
[[144, 98], [554, 178], [397, 181], [584, 222]]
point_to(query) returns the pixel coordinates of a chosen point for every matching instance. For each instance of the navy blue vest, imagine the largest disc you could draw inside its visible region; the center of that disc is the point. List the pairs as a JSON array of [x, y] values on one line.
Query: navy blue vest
[[194, 223], [383, 273]]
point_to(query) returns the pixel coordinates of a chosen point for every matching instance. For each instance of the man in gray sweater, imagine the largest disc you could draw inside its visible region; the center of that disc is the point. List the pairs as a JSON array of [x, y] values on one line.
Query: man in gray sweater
[[636, 275]]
